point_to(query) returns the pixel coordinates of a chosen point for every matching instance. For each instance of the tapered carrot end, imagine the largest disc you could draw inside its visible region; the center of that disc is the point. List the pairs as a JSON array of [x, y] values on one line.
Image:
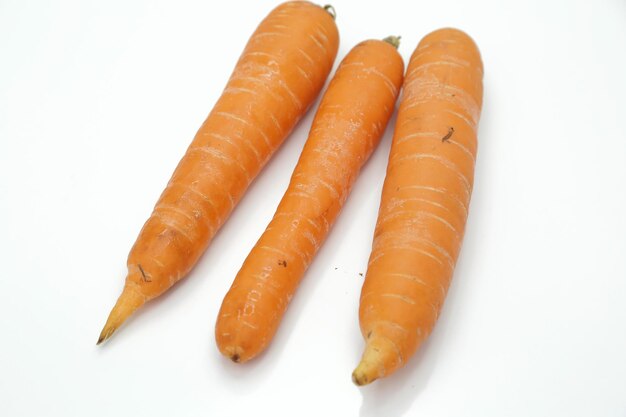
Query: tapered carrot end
[[236, 338], [106, 332], [129, 301], [102, 338], [369, 368], [235, 354], [360, 377], [380, 358]]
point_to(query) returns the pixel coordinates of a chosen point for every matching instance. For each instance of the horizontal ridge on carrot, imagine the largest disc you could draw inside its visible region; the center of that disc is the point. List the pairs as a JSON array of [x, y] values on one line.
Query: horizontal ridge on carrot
[[424, 203], [349, 123], [278, 76]]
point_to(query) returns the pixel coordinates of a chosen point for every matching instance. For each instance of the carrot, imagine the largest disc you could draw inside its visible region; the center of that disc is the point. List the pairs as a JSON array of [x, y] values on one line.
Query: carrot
[[280, 73], [348, 125], [424, 202]]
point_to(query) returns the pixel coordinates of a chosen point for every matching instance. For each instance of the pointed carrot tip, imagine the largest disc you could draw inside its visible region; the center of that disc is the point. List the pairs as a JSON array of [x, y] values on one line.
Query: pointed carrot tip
[[378, 360], [361, 377], [105, 334], [126, 305]]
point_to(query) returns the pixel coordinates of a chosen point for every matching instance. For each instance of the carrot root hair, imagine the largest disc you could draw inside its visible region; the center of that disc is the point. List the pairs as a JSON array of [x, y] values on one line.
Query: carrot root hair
[[129, 301]]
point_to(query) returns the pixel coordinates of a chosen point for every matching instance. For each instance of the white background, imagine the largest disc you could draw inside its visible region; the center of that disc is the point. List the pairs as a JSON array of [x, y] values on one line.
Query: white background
[[99, 100]]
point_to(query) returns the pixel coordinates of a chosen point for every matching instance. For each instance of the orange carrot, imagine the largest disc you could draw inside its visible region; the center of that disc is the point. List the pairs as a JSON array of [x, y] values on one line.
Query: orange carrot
[[424, 202], [348, 125], [279, 74]]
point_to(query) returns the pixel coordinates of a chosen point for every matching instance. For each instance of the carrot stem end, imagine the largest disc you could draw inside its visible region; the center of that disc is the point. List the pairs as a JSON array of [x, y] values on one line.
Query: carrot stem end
[[330, 10], [393, 40]]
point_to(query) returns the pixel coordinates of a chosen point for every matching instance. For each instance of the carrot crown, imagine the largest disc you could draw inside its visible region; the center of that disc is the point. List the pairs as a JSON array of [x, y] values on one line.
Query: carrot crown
[[393, 41]]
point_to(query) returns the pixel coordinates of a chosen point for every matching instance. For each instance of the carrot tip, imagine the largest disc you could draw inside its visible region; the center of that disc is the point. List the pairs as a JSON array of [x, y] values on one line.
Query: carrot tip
[[126, 305], [358, 378], [105, 334], [361, 376], [234, 353], [376, 356]]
